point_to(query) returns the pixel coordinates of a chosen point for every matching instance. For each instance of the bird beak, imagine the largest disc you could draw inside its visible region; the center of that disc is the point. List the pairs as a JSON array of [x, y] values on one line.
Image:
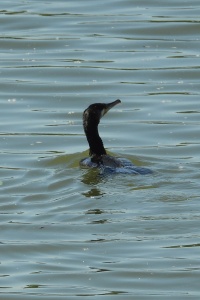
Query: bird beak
[[108, 106]]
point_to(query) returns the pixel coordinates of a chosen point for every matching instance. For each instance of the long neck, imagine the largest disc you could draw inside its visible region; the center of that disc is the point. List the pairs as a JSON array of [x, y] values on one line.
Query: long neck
[[94, 140]]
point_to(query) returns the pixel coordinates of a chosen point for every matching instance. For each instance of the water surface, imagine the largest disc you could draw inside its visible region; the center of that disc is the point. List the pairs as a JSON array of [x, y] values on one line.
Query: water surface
[[68, 232]]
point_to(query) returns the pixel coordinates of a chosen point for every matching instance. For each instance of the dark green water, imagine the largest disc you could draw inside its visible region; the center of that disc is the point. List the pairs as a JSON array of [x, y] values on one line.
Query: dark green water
[[70, 233]]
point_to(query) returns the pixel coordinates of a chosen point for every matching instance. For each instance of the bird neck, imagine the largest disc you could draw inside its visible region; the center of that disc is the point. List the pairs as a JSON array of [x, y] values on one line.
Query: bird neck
[[95, 142]]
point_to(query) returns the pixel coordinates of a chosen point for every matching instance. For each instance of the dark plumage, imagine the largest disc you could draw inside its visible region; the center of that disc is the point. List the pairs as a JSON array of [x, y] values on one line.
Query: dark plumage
[[91, 119], [98, 155]]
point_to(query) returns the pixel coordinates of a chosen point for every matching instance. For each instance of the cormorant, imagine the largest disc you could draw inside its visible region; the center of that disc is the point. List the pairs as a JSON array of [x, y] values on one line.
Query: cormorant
[[98, 156]]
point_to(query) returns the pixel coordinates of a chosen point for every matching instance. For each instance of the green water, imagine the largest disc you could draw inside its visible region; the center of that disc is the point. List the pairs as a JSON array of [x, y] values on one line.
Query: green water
[[67, 232]]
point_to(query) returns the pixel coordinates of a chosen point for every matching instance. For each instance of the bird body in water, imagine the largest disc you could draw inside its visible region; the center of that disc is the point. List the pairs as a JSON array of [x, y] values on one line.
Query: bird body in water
[[98, 155]]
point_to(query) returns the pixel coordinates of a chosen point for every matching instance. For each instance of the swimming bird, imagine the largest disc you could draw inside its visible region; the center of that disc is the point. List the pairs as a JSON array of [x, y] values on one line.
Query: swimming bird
[[98, 155]]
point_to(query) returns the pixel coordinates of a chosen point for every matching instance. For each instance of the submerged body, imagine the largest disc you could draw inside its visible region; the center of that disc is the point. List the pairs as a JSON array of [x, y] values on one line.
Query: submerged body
[[98, 156], [111, 164]]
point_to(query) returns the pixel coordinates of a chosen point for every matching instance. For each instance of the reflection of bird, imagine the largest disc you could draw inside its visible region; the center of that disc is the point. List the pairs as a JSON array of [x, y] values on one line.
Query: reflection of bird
[[98, 156]]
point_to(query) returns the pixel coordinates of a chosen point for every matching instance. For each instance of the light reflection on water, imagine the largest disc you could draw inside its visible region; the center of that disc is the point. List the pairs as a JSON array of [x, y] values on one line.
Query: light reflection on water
[[70, 232]]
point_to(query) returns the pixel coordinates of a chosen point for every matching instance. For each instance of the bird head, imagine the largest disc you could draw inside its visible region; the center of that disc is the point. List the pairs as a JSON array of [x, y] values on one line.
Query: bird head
[[96, 111]]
